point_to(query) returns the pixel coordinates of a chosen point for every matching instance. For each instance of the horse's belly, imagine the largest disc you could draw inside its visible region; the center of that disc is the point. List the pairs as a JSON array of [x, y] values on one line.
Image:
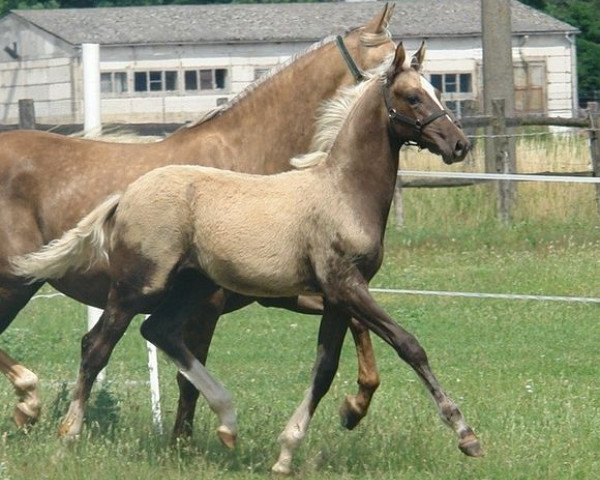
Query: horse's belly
[[253, 276]]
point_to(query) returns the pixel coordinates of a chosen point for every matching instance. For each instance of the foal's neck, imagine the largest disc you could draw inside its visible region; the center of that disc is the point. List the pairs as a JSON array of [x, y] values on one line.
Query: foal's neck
[[364, 159]]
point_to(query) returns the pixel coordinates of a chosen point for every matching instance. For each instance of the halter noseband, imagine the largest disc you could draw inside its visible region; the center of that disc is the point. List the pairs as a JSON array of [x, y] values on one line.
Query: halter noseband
[[417, 125], [354, 70]]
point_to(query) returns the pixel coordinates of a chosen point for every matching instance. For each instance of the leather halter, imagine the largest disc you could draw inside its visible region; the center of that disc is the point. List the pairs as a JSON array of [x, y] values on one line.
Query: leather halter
[[418, 125], [354, 70]]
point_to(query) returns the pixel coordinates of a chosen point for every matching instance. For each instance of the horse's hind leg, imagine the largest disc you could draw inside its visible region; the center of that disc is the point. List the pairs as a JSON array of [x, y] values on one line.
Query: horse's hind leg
[[165, 328], [356, 296], [355, 407], [198, 332], [334, 325], [19, 234], [96, 348], [24, 381]]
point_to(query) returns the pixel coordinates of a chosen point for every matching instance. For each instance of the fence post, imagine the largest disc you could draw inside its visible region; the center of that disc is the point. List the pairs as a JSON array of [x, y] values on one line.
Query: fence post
[[504, 163], [398, 204], [594, 113], [26, 114]]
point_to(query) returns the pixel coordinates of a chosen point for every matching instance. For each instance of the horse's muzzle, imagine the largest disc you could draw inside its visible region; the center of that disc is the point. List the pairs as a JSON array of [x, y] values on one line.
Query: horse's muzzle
[[461, 148]]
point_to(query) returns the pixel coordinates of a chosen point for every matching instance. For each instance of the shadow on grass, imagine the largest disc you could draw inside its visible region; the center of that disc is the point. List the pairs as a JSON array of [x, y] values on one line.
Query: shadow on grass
[[101, 414]]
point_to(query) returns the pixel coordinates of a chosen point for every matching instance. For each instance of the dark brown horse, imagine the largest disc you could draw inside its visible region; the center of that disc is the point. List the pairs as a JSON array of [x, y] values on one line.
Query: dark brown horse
[[180, 232], [48, 182]]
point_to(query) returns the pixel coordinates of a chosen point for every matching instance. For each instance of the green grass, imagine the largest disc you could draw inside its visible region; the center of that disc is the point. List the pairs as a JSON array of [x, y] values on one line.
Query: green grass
[[525, 373]]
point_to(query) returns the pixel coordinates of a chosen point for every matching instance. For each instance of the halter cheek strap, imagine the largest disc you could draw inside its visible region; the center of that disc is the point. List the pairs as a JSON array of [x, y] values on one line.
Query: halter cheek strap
[[354, 70], [417, 124]]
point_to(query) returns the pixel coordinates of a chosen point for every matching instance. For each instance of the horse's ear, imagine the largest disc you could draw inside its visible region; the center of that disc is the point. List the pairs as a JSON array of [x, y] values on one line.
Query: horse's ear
[[380, 21], [388, 14], [417, 60], [399, 59]]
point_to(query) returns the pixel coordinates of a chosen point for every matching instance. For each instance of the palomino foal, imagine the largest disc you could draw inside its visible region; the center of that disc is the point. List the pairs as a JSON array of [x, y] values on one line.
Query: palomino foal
[[315, 230], [48, 182]]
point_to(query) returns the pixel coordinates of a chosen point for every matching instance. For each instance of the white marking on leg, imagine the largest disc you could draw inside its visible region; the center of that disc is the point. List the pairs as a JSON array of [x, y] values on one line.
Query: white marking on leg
[[447, 409], [218, 398], [70, 427], [293, 434]]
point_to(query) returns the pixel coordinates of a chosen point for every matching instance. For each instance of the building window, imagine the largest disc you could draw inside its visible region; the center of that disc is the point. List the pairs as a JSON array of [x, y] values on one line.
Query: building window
[[453, 82], [530, 82], [456, 89], [261, 72], [205, 79], [155, 81], [113, 83]]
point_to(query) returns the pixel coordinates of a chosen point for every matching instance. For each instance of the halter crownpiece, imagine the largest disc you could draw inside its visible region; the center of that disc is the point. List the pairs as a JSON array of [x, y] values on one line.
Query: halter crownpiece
[[354, 70]]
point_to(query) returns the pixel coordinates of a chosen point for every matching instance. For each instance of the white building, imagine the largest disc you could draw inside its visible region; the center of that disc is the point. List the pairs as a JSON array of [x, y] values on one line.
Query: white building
[[169, 63]]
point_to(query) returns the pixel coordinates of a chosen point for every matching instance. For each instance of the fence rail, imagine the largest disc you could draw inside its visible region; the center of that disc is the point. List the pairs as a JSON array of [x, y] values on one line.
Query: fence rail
[[500, 152]]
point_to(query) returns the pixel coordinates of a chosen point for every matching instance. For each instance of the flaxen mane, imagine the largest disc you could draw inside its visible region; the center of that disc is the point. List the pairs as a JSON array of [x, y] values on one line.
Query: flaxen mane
[[331, 117]]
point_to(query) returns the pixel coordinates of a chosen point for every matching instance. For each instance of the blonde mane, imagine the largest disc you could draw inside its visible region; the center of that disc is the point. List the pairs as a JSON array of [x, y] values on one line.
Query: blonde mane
[[366, 38], [332, 114]]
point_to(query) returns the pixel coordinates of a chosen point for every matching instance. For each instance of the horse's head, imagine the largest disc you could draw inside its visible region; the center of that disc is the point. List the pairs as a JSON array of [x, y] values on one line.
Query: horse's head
[[372, 43], [416, 114]]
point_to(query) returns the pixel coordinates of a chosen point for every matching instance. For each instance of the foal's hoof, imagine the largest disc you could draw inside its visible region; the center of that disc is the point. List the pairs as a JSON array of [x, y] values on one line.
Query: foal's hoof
[[227, 437], [471, 446], [281, 469], [24, 416], [350, 413], [67, 433]]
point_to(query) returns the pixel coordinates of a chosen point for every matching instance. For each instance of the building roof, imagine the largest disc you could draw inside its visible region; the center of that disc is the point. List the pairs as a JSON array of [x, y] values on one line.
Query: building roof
[[272, 22]]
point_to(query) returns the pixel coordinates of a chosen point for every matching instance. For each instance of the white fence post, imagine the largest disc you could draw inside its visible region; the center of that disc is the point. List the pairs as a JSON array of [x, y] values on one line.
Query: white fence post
[[93, 317], [90, 59], [154, 387]]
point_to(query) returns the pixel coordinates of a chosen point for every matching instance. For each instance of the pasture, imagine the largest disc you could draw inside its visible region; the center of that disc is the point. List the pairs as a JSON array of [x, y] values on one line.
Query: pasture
[[524, 373]]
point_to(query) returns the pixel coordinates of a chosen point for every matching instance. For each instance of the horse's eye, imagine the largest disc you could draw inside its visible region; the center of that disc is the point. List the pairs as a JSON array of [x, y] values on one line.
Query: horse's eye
[[413, 99]]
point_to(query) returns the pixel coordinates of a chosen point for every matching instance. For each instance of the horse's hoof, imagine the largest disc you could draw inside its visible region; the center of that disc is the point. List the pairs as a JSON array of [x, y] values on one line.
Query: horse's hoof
[[471, 446], [24, 416], [281, 469], [66, 434], [227, 437], [350, 414]]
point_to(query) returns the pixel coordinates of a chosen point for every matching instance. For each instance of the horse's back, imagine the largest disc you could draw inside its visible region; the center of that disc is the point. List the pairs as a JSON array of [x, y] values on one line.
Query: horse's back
[[240, 229]]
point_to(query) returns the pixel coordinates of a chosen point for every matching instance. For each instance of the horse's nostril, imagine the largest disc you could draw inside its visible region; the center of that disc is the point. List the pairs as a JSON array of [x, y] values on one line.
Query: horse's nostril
[[461, 148]]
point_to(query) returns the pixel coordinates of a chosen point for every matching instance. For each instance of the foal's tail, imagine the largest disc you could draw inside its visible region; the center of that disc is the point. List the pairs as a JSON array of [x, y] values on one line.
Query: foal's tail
[[80, 247]]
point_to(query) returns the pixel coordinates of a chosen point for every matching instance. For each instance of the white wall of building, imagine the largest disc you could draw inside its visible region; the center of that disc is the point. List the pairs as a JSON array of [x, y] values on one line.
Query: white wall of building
[[241, 62], [49, 72]]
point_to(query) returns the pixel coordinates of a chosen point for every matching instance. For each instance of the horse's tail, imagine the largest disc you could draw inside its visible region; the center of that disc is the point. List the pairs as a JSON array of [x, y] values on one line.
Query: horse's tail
[[80, 247]]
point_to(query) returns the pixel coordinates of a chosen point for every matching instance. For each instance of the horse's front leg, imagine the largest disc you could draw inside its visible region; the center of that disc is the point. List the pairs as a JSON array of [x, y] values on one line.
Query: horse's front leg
[[25, 382], [354, 407], [355, 294], [13, 297], [334, 325]]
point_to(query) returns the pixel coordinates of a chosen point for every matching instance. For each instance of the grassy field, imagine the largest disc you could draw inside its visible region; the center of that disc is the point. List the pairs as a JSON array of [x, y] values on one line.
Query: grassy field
[[525, 373]]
